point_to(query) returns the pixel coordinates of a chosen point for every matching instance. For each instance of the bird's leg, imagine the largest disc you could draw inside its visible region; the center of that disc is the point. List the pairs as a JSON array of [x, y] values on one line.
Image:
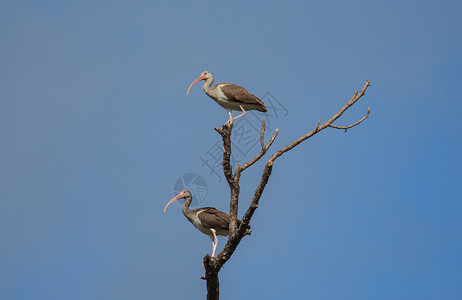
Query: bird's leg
[[213, 239], [215, 242], [213, 246], [230, 118], [243, 113]]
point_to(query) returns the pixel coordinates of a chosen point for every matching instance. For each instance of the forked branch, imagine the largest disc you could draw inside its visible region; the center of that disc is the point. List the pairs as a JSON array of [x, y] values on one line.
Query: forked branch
[[323, 126], [354, 124], [213, 264], [263, 150]]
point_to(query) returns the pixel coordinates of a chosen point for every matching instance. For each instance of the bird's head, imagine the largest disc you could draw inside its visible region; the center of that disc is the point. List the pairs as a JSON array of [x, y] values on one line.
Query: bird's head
[[183, 194], [204, 76]]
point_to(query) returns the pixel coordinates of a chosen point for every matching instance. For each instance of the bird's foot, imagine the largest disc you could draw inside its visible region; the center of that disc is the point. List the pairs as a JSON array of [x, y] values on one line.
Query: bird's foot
[[229, 122]]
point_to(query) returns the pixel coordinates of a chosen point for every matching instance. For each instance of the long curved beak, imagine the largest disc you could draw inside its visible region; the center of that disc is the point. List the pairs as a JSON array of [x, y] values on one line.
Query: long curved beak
[[195, 81], [179, 196]]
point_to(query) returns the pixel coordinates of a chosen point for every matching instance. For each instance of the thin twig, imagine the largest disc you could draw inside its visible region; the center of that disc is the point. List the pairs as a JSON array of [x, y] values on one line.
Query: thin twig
[[352, 125], [262, 134], [263, 150], [317, 125]]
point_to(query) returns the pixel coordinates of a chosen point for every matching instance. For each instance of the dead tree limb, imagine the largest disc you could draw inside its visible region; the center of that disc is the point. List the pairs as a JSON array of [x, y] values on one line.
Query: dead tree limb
[[263, 150], [354, 124], [319, 128], [213, 265]]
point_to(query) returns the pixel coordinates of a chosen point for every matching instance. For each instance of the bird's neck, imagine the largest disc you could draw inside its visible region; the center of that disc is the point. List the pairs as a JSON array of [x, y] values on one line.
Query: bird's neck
[[186, 210], [207, 84]]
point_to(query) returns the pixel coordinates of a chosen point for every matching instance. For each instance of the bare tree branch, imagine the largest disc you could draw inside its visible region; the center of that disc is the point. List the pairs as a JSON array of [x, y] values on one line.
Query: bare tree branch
[[211, 275], [256, 198], [225, 133], [352, 125], [213, 265], [317, 125], [318, 128], [264, 148], [262, 134], [233, 179]]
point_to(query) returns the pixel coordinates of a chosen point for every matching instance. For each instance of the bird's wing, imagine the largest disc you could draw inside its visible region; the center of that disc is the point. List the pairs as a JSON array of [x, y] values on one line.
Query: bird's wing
[[213, 218], [239, 94]]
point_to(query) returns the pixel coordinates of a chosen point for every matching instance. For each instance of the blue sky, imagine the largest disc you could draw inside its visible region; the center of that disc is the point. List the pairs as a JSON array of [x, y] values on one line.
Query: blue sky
[[96, 128]]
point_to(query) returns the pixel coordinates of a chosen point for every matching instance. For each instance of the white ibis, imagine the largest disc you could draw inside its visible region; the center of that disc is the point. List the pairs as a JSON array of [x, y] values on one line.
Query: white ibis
[[208, 220], [229, 96]]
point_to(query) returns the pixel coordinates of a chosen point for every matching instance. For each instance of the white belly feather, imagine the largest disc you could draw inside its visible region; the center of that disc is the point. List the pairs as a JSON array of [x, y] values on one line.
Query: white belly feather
[[197, 223]]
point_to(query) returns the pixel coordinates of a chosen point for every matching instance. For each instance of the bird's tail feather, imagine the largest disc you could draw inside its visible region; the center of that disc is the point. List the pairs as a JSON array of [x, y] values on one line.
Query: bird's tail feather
[[262, 108]]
